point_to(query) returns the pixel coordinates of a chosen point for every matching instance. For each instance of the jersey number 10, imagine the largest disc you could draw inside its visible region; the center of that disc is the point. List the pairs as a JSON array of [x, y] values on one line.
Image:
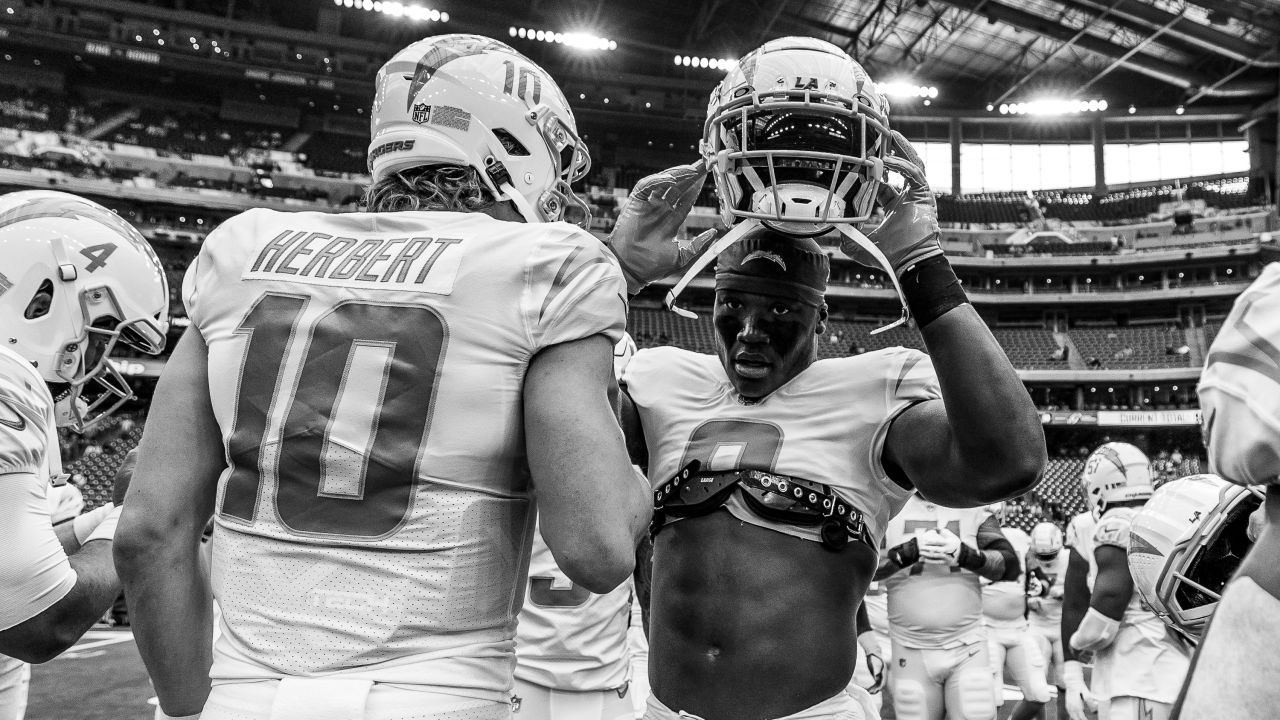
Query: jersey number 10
[[348, 436]]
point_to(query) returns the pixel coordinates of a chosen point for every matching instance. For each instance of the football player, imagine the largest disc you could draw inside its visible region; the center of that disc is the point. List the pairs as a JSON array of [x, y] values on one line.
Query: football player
[[1138, 665], [935, 561], [1009, 640], [1077, 699], [573, 661], [777, 471], [1046, 574], [369, 400], [1240, 398], [75, 282]]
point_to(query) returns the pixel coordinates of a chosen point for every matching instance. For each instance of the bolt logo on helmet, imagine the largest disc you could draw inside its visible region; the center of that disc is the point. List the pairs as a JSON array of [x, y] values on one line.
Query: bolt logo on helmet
[[1116, 472], [1186, 543], [473, 101], [79, 279], [795, 136]]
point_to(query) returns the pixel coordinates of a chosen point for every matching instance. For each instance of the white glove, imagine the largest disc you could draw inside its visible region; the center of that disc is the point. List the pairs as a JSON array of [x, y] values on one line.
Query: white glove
[[1077, 697], [87, 524], [940, 546], [644, 237], [875, 663]]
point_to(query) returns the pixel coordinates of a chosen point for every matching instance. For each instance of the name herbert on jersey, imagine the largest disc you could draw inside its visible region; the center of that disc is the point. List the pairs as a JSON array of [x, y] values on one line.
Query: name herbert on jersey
[[426, 264]]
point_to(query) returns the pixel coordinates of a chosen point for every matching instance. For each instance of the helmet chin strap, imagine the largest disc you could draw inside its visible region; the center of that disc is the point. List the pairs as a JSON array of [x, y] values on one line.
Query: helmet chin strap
[[865, 243], [723, 243], [522, 204]]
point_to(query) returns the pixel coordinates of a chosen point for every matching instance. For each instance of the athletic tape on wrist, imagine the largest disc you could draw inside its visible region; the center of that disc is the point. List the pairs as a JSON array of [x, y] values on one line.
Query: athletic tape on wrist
[[931, 289], [106, 529], [84, 525]]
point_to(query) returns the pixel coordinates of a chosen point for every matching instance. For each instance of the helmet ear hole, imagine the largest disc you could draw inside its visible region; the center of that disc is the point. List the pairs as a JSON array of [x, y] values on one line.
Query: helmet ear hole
[[41, 301], [509, 142]]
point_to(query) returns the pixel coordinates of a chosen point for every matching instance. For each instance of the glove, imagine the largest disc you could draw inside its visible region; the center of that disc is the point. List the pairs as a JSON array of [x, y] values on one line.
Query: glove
[[1077, 698], [1035, 588], [644, 237], [909, 232], [875, 663], [1257, 523], [124, 474], [941, 546], [906, 554]]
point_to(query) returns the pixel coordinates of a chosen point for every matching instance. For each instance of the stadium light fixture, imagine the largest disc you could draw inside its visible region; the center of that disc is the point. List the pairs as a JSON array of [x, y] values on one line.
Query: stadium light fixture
[[908, 89], [718, 64], [396, 9], [576, 40], [1053, 106]]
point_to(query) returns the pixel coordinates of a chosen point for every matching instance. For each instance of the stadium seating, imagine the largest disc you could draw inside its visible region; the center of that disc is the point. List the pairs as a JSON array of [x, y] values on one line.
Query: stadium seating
[[1132, 347]]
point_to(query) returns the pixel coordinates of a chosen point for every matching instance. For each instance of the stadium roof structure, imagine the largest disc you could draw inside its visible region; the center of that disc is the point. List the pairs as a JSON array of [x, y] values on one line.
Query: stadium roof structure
[[1150, 53]]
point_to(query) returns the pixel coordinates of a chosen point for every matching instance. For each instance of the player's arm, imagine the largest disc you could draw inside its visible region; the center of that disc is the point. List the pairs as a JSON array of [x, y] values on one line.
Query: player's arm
[[158, 548], [1075, 599], [36, 566], [632, 430], [643, 579], [982, 442], [594, 506], [1112, 590], [902, 555]]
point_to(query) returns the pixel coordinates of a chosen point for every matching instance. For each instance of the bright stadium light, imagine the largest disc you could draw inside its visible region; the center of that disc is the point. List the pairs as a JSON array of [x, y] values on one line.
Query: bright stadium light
[[908, 89], [719, 64], [1053, 106], [397, 9], [576, 40]]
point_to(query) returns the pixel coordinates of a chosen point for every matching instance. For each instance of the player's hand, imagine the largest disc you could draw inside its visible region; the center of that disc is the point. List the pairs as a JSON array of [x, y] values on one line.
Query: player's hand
[[906, 554], [1079, 702], [909, 232], [941, 546], [1257, 522], [644, 237], [875, 663], [1035, 588], [1055, 592], [124, 474]]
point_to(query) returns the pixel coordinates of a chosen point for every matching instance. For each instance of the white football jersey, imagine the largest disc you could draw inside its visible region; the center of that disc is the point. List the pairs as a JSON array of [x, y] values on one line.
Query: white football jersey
[[34, 570], [1004, 604], [1240, 387], [1145, 660], [569, 638], [827, 425], [367, 371], [1079, 535], [932, 605]]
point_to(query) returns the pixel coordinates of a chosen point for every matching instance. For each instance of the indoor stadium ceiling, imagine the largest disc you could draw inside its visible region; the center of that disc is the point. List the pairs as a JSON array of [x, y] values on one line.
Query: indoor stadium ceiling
[[1153, 53]]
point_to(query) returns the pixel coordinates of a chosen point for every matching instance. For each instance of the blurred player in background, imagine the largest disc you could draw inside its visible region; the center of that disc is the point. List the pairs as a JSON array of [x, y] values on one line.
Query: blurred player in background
[[1240, 400], [935, 561], [1047, 560], [573, 661], [795, 465], [1138, 664], [369, 400], [1009, 640], [75, 281]]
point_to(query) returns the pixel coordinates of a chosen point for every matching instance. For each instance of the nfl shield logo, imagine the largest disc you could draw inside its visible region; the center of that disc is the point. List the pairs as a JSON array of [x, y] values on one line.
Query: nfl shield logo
[[420, 113]]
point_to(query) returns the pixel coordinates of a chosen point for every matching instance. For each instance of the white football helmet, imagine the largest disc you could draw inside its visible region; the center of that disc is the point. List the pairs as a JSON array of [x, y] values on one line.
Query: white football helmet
[[1240, 387], [1186, 543], [76, 279], [622, 353], [1116, 472], [473, 101], [796, 136], [1046, 541]]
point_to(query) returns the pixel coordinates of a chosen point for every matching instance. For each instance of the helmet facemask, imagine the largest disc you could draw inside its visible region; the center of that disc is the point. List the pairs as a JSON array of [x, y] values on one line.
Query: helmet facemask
[[84, 363], [800, 161]]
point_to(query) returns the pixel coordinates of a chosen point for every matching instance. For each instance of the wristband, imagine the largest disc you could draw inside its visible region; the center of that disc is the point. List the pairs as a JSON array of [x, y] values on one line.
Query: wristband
[[1096, 631], [906, 554], [1073, 675], [970, 559], [931, 289], [84, 525], [106, 529]]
